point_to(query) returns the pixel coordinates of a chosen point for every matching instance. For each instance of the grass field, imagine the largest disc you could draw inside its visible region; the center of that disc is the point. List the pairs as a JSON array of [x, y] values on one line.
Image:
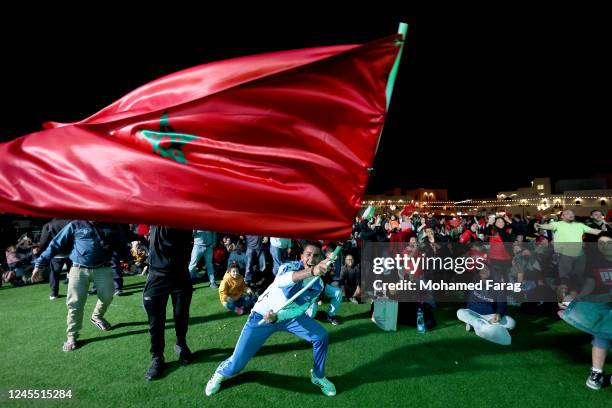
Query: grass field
[[546, 366]]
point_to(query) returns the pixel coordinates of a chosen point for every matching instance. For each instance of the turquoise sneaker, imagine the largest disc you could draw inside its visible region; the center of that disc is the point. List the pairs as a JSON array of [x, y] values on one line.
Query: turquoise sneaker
[[327, 388]]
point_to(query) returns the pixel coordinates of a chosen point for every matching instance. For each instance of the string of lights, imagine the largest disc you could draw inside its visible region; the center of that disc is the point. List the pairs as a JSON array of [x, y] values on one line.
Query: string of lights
[[464, 206], [468, 203]]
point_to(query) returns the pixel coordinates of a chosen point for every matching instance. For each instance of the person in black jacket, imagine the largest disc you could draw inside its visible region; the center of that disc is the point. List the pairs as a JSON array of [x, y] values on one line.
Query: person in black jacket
[[598, 222], [169, 252], [49, 231]]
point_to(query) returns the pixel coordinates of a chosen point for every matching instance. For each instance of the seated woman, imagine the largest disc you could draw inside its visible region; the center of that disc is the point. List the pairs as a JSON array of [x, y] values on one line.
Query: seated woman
[[19, 258], [235, 295], [486, 311], [140, 255]]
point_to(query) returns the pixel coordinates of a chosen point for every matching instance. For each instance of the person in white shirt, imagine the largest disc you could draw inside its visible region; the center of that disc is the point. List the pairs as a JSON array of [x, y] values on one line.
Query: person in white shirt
[[291, 278]]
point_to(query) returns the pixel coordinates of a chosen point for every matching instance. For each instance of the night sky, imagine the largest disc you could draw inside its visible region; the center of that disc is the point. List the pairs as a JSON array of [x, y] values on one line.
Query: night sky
[[480, 104]]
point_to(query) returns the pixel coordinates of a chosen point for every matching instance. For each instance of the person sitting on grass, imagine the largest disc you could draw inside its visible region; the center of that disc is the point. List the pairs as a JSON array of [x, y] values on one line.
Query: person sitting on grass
[[235, 295], [228, 244], [140, 256], [486, 311], [10, 277], [18, 259]]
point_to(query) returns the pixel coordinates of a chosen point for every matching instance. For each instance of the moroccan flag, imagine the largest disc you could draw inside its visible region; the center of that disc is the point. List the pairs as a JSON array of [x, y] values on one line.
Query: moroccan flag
[[273, 144]]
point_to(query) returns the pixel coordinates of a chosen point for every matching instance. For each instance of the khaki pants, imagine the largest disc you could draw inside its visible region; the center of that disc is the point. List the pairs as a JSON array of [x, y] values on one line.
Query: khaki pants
[[78, 286]]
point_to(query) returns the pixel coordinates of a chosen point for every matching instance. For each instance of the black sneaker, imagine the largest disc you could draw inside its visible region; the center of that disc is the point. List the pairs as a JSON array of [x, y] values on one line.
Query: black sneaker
[[185, 355], [333, 320], [156, 370], [595, 380]]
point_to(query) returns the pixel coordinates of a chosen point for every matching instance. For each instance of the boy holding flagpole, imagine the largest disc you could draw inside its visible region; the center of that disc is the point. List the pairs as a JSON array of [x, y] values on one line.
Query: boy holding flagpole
[[295, 278]]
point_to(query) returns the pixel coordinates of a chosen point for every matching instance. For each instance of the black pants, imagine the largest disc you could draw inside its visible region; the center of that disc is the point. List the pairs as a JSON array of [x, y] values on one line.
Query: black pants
[[500, 270], [155, 297], [117, 272], [56, 266]]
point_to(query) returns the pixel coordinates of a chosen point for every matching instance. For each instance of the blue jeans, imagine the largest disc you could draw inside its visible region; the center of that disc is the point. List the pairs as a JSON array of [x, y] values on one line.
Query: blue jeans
[[279, 256], [601, 343], [593, 317], [254, 335], [197, 253], [245, 302], [252, 253], [334, 293]]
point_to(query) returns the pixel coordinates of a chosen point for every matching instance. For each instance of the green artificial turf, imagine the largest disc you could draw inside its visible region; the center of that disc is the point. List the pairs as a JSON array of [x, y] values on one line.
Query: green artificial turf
[[546, 366]]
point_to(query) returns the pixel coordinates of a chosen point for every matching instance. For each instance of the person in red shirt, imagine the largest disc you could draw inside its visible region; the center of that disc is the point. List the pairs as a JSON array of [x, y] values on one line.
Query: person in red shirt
[[499, 233]]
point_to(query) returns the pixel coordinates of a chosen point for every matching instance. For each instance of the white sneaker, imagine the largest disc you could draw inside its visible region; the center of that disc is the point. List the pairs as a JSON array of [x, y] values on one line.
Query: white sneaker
[[52, 297], [327, 387], [213, 384]]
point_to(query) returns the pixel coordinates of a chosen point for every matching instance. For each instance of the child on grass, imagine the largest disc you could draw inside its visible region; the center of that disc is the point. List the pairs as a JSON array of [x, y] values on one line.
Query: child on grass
[[234, 294]]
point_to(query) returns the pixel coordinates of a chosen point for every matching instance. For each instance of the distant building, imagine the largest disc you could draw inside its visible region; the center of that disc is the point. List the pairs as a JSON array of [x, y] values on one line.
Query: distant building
[[580, 195], [398, 198], [539, 187]]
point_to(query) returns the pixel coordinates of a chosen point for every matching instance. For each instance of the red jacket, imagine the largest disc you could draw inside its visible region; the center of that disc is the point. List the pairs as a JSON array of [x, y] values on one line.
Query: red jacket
[[497, 249], [143, 229], [468, 236]]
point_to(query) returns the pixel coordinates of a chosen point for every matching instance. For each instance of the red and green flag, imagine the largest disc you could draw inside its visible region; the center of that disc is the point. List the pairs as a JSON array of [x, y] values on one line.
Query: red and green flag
[[272, 144]]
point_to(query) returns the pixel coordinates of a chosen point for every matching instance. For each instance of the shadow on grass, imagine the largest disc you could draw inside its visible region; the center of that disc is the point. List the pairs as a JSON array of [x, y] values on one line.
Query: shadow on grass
[[134, 285], [199, 356], [358, 316], [298, 384], [433, 357], [423, 360], [131, 292], [145, 324], [129, 324]]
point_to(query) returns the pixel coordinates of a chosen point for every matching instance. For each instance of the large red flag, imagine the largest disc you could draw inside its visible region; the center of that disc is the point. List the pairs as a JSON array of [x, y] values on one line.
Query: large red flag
[[274, 144]]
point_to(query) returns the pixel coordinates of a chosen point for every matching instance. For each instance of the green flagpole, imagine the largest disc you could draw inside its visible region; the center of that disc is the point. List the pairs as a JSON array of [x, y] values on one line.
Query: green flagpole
[[403, 30]]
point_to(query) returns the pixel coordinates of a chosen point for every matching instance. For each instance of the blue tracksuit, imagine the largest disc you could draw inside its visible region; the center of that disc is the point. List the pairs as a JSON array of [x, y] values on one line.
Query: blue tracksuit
[[254, 335]]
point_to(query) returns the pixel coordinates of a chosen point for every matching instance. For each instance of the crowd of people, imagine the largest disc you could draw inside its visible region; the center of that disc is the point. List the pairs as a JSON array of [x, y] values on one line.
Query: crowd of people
[[552, 257], [542, 254]]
